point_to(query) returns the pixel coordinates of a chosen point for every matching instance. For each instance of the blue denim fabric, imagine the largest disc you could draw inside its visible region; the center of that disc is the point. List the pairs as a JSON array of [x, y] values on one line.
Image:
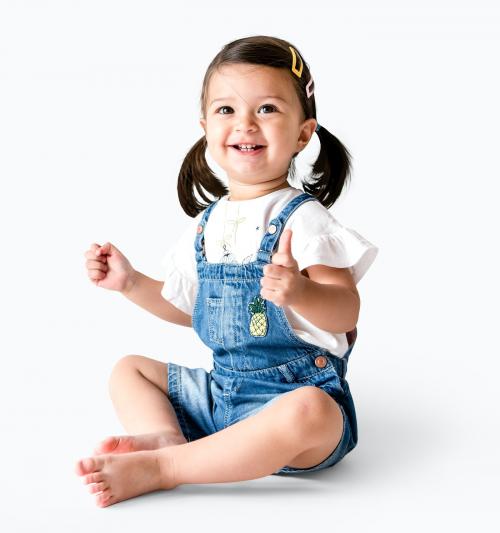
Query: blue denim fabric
[[252, 365]]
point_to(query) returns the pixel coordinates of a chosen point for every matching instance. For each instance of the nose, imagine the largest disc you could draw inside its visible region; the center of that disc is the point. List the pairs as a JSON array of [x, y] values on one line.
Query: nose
[[246, 122]]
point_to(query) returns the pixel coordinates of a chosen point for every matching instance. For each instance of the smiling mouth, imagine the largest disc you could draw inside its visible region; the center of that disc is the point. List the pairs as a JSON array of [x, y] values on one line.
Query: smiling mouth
[[253, 148]]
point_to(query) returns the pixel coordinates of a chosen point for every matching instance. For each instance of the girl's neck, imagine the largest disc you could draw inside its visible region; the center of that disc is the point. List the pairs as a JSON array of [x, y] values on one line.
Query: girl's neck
[[249, 193]]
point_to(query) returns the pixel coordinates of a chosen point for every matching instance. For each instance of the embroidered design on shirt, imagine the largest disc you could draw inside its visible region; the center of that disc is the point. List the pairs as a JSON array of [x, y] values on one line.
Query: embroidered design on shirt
[[228, 241], [249, 258], [258, 322], [227, 256]]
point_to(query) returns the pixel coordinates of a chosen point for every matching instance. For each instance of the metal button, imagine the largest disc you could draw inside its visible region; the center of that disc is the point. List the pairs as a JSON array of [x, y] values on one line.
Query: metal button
[[320, 361], [272, 228], [199, 229]]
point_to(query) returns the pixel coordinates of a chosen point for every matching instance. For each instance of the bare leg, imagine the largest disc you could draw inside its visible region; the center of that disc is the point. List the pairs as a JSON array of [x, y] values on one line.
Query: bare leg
[[256, 446], [292, 427], [138, 388]]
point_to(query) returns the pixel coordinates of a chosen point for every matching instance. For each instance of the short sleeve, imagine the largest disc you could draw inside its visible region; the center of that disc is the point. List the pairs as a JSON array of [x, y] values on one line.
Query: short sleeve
[[180, 280], [345, 248]]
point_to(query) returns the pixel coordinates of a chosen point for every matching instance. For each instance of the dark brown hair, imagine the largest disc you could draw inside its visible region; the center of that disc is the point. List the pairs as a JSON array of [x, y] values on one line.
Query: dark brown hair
[[329, 172]]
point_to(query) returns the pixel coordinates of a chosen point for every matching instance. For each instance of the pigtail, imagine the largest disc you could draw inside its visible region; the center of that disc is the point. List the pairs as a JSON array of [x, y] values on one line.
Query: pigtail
[[332, 168], [196, 174]]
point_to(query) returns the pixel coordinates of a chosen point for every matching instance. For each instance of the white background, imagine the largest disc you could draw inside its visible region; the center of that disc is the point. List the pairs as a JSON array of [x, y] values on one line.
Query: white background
[[98, 107]]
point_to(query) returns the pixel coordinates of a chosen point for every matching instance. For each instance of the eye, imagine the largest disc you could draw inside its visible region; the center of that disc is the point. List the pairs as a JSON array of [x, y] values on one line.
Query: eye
[[267, 105], [223, 107], [218, 111]]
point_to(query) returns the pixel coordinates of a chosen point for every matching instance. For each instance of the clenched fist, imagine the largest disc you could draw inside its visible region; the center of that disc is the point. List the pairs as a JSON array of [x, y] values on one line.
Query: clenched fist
[[108, 268]]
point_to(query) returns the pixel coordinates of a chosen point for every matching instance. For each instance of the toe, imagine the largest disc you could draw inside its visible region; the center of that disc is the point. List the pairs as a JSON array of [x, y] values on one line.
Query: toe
[[107, 445], [95, 488], [97, 477], [104, 498], [88, 466]]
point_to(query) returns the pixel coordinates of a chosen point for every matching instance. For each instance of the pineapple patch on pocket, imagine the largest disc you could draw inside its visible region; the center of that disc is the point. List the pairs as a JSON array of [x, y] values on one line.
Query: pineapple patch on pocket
[[258, 320]]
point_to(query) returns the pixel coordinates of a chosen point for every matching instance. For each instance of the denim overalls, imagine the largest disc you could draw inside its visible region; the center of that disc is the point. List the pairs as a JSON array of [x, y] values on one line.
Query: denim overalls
[[256, 354]]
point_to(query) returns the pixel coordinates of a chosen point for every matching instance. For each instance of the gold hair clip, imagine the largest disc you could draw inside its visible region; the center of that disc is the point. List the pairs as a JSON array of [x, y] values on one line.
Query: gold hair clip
[[294, 65]]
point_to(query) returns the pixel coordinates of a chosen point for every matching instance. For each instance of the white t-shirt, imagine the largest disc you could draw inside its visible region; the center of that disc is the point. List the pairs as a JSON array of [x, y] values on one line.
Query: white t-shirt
[[233, 234]]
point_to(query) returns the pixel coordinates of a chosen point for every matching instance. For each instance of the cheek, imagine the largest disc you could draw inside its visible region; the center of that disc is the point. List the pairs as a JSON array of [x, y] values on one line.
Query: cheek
[[286, 137], [215, 132], [292, 139], [215, 143]]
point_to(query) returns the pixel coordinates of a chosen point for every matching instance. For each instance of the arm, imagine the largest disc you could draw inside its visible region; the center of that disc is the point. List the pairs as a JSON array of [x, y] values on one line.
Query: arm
[[146, 293], [329, 299]]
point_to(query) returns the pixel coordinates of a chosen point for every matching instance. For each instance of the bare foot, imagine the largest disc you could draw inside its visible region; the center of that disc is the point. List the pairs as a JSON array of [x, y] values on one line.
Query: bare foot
[[117, 477], [135, 443]]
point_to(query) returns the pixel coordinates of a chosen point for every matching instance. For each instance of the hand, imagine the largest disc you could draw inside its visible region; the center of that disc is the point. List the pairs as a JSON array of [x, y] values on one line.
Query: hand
[[109, 268], [282, 282]]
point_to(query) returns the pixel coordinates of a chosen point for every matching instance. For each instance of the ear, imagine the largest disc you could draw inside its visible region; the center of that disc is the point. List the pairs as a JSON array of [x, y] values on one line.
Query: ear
[[307, 129], [203, 124]]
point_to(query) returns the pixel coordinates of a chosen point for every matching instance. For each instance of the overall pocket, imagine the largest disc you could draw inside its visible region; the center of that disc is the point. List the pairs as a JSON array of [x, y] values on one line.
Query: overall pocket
[[215, 309], [224, 321]]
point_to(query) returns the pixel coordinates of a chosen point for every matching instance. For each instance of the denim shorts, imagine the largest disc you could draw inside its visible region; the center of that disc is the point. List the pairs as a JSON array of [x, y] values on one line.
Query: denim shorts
[[204, 402]]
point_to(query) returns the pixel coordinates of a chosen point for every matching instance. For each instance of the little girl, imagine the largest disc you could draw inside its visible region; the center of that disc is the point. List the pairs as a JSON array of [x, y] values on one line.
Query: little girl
[[267, 278]]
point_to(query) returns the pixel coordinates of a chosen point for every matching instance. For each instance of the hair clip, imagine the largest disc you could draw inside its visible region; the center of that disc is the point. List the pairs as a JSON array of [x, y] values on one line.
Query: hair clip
[[298, 72], [309, 92], [294, 65]]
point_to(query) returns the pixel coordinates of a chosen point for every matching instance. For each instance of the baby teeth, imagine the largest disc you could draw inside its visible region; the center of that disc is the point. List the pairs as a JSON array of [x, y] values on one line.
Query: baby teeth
[[247, 146]]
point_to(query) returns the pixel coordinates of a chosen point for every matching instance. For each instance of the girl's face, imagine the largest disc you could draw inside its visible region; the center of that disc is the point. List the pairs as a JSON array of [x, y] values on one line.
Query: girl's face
[[254, 104]]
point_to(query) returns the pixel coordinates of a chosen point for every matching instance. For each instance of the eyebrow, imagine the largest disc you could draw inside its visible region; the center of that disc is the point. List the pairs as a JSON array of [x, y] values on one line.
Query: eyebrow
[[258, 97]]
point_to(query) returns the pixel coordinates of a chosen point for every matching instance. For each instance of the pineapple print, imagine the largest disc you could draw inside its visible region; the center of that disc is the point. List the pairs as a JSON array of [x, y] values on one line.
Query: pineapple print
[[258, 322]]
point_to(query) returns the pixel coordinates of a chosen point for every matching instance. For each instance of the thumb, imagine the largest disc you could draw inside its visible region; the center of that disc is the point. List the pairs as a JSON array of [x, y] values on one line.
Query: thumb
[[104, 249], [285, 244]]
